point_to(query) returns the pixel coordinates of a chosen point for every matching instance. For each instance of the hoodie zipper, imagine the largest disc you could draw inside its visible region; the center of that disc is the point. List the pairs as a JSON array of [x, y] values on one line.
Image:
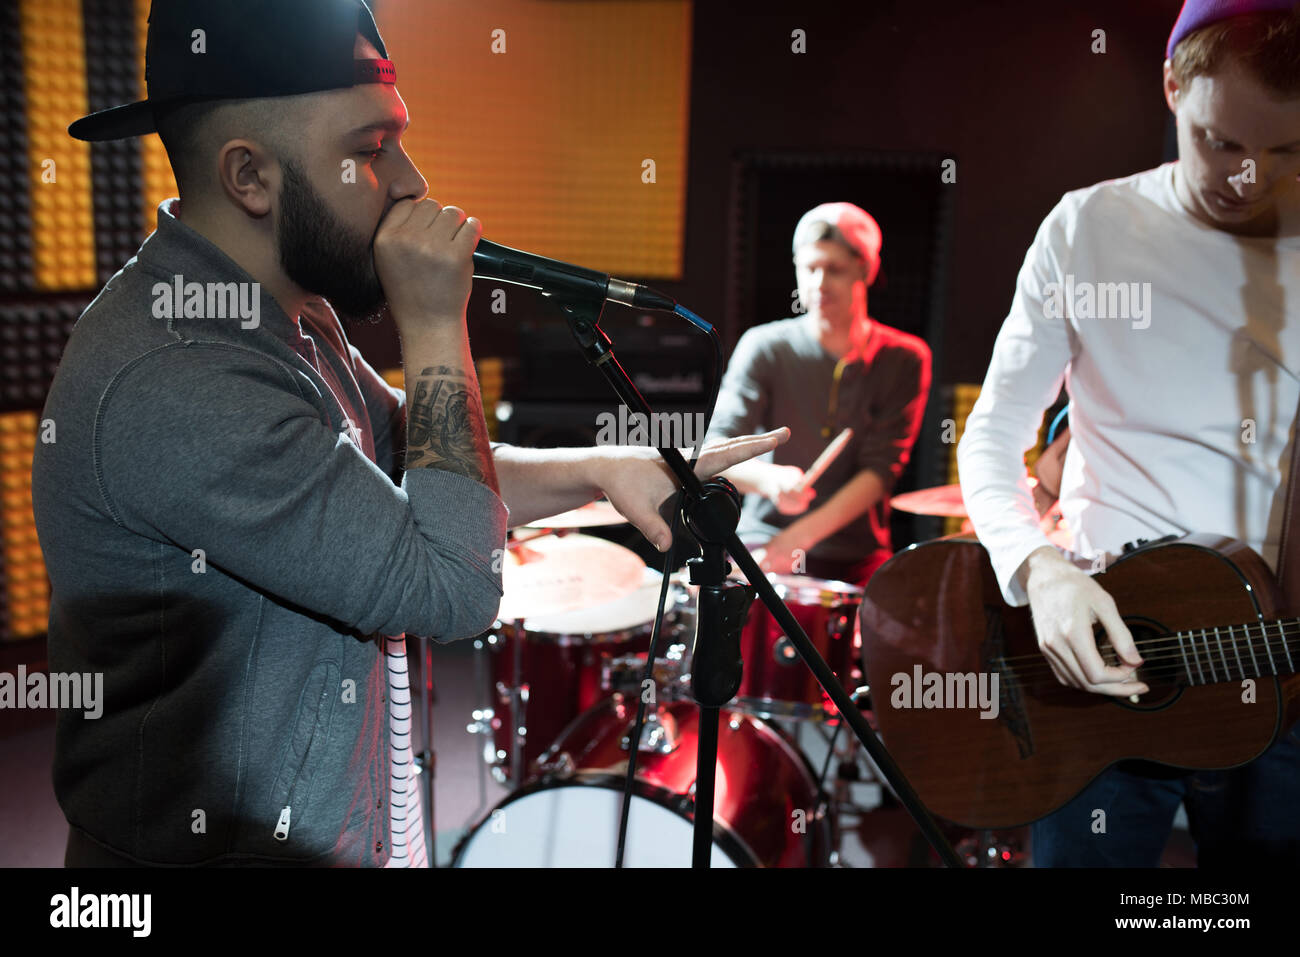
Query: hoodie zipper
[[282, 825]]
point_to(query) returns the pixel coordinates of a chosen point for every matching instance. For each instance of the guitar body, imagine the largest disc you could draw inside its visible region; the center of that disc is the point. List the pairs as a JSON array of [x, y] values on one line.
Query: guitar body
[[938, 606]]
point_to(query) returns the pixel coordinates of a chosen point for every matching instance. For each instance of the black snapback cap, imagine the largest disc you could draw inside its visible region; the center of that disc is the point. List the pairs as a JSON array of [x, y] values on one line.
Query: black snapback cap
[[246, 49]]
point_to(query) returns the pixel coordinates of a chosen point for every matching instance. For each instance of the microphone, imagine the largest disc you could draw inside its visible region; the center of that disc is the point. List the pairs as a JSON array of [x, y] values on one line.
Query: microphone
[[493, 261]]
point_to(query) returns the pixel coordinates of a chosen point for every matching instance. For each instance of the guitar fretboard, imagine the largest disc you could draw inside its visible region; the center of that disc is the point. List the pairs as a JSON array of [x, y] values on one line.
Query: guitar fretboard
[[1233, 652]]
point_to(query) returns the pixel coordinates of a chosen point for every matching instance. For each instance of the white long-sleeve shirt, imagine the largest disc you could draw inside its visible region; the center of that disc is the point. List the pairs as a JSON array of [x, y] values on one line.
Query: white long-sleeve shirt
[[1183, 379]]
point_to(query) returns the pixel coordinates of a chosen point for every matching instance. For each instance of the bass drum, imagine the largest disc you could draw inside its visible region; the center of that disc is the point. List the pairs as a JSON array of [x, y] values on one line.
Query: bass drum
[[766, 809]]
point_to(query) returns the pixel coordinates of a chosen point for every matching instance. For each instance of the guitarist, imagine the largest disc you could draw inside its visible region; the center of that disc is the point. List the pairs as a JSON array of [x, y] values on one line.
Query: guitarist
[[1169, 304]]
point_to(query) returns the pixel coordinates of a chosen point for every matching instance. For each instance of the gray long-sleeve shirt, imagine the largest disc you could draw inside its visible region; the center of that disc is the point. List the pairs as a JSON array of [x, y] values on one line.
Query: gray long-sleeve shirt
[[226, 537], [780, 375]]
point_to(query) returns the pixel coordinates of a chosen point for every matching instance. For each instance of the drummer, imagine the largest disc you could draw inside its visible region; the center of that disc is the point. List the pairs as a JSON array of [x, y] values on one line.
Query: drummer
[[832, 368]]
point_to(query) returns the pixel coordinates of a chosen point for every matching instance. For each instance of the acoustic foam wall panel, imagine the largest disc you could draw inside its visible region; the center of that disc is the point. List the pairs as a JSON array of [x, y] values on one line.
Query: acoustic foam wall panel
[[26, 590], [33, 332], [17, 259], [545, 142], [58, 167]]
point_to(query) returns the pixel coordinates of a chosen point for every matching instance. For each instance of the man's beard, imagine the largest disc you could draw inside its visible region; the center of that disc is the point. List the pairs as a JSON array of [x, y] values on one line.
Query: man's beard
[[324, 256]]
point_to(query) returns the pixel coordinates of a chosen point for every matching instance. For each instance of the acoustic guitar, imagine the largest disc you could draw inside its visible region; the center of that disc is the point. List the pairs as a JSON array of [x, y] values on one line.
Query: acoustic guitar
[[936, 633]]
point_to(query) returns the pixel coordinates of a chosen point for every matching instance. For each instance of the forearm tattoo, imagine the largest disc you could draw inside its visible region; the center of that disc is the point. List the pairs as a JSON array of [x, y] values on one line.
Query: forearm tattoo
[[445, 428]]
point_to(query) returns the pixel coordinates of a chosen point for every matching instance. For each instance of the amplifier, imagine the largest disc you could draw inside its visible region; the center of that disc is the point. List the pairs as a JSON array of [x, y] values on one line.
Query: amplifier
[[549, 425], [668, 360]]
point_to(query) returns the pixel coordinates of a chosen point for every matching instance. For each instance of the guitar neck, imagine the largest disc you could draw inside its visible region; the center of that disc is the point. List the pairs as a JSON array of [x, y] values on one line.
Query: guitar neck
[[1230, 653]]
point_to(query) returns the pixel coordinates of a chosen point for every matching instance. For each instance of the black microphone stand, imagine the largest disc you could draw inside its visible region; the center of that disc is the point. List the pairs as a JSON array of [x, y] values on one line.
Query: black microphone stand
[[712, 513], [716, 662]]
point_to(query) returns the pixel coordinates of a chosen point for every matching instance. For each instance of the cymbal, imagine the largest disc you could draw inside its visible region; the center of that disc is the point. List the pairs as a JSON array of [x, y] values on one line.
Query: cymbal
[[941, 501], [550, 574], [588, 516], [944, 501]]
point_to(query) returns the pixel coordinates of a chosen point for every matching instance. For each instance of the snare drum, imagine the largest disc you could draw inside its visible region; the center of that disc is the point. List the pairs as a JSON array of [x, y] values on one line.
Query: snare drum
[[765, 807], [548, 670], [777, 683]]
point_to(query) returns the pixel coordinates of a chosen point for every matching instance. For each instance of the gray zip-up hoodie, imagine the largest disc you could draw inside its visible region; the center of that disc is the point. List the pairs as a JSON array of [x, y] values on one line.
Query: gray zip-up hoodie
[[226, 537]]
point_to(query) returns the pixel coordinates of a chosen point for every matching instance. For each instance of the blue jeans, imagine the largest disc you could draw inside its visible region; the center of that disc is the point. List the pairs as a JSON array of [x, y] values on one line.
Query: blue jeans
[[1246, 816]]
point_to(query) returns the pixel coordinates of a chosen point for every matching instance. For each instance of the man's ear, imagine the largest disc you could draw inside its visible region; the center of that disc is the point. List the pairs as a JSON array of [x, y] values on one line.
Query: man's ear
[[1172, 90], [248, 174]]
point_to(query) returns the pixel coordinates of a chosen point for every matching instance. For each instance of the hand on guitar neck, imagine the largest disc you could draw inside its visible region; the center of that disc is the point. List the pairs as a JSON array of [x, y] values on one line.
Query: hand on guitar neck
[[1065, 602]]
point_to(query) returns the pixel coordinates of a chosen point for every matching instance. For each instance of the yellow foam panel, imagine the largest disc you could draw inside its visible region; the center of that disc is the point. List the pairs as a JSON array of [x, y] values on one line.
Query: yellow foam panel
[[545, 142], [27, 590], [54, 71], [963, 400], [964, 395]]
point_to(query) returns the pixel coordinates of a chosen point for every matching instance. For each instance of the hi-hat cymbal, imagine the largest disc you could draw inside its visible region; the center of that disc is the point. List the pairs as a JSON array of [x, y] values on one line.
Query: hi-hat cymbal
[[550, 574], [943, 501], [588, 516]]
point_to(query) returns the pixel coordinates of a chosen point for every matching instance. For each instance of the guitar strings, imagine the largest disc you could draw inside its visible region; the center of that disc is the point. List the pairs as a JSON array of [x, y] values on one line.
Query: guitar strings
[[1200, 655], [1176, 672], [1055, 687], [1178, 642], [1200, 670]]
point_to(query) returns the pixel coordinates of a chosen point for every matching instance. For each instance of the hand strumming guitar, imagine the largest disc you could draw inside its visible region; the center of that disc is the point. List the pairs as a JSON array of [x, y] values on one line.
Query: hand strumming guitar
[[1065, 602]]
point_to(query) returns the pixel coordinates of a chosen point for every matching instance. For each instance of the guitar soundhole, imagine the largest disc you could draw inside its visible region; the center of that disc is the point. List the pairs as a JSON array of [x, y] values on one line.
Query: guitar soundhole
[[1159, 671]]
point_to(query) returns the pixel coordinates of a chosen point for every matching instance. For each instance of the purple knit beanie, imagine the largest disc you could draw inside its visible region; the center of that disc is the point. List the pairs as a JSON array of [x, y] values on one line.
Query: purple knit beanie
[[1201, 13]]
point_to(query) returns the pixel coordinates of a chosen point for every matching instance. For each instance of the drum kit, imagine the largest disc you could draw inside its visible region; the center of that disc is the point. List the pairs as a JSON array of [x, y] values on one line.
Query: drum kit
[[561, 675], [564, 674]]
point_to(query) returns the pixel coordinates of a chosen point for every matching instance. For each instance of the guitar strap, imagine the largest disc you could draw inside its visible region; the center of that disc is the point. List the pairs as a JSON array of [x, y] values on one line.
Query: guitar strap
[[1288, 552]]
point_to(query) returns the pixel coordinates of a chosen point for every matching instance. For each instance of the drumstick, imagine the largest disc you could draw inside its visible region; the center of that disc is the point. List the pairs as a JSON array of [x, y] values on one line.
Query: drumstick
[[824, 460]]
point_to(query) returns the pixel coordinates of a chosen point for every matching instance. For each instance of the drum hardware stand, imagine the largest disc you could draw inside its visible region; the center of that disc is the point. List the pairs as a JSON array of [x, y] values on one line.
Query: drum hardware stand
[[481, 723], [658, 734], [830, 801], [709, 512], [481, 719], [836, 800], [518, 712]]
